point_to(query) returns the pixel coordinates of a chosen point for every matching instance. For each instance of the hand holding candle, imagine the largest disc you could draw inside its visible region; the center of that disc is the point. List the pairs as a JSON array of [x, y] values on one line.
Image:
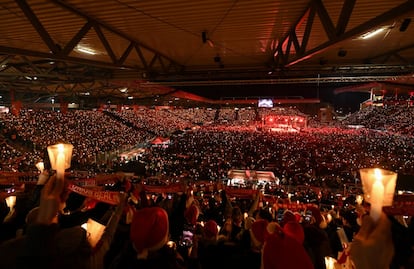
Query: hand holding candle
[[60, 156], [60, 162], [377, 196], [40, 166], [379, 186], [94, 230], [11, 201]]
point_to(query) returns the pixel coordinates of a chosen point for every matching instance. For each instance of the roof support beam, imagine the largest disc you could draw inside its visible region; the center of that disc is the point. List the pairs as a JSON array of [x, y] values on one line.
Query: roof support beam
[[37, 25], [390, 53], [325, 19], [60, 57], [154, 58], [364, 27], [4, 61], [335, 34], [343, 20], [126, 53], [141, 56], [103, 25], [33, 66], [308, 29], [105, 43], [77, 38]]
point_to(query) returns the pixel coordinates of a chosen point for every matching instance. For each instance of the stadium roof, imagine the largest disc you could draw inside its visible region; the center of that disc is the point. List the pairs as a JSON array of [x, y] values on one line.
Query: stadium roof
[[140, 49]]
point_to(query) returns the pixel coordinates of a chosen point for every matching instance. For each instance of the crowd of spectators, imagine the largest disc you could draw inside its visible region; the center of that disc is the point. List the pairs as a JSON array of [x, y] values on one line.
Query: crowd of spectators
[[90, 132], [184, 230], [326, 157], [323, 156], [397, 119]]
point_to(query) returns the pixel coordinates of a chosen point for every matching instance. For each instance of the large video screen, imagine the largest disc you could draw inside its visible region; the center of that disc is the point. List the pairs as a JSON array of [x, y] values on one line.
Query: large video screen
[[265, 103]]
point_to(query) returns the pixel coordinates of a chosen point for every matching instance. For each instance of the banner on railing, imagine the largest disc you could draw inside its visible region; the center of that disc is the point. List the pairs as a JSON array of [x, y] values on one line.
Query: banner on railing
[[110, 197]]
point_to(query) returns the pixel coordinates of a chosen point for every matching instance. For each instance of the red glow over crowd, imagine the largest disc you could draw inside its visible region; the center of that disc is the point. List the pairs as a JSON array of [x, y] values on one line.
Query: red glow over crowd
[[199, 221]]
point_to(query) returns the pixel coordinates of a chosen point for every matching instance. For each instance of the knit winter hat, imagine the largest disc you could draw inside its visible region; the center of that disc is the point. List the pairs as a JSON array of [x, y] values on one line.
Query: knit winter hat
[[210, 229], [149, 229]]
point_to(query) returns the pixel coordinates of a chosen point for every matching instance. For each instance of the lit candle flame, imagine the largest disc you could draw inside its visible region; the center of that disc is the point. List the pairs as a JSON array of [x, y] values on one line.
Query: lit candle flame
[[378, 174], [377, 196]]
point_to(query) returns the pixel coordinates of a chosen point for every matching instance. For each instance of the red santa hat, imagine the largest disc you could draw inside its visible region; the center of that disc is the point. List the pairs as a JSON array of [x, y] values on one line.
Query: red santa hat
[[282, 251], [210, 229], [288, 216], [259, 230], [319, 219], [149, 229], [294, 230], [191, 214], [298, 216]]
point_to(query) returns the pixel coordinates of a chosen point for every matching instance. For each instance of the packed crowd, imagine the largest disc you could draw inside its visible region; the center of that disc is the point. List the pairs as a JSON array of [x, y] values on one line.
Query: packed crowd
[[328, 157], [184, 230], [90, 132], [203, 230], [396, 119], [321, 156]]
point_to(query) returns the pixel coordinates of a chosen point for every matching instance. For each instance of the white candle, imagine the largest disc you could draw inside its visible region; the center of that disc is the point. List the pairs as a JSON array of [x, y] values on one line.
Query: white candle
[[11, 201], [94, 231], [60, 162], [359, 199], [377, 196], [40, 166], [330, 262]]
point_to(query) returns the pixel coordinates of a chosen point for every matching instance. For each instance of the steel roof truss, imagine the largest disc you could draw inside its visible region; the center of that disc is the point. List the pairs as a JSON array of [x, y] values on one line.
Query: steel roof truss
[[153, 60], [345, 15], [115, 31], [5, 61], [308, 29], [126, 53], [37, 25], [33, 66], [77, 38], [392, 52], [105, 43], [358, 30], [141, 56], [327, 23]]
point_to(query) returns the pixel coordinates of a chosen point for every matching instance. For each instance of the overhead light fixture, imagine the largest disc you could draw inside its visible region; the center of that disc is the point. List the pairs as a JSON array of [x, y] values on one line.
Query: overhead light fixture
[[130, 97], [123, 90], [372, 33], [85, 50]]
